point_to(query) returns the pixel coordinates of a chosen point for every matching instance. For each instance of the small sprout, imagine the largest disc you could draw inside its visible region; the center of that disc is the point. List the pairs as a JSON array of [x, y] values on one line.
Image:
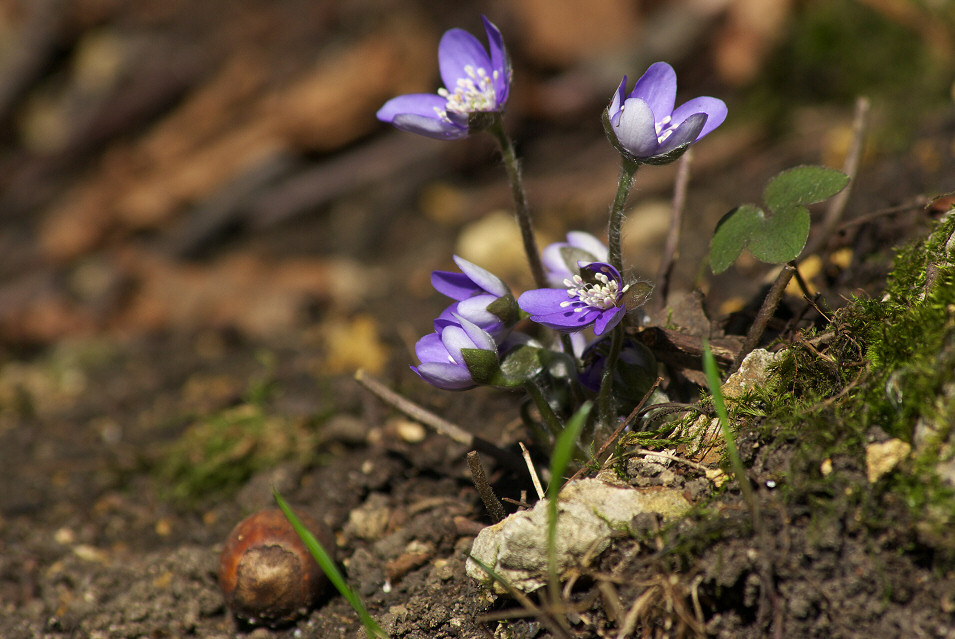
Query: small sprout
[[266, 573]]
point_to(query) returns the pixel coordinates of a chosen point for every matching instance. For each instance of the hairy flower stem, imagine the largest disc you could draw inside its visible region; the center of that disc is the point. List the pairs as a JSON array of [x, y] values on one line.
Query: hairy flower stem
[[605, 399], [513, 167], [628, 169]]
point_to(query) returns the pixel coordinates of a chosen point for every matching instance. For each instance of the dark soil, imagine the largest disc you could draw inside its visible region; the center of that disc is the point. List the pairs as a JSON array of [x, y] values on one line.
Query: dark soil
[[119, 345]]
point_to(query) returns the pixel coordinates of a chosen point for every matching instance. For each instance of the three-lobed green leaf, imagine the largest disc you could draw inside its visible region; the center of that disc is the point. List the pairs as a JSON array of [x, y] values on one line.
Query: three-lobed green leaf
[[780, 237]]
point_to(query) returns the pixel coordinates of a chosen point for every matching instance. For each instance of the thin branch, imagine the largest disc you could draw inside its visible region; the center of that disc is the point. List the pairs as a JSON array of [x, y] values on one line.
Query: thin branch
[[494, 507], [533, 471], [671, 248], [765, 313], [837, 205], [438, 424]]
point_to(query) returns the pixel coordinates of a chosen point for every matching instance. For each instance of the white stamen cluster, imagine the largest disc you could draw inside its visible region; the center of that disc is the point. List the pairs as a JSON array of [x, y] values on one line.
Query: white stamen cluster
[[601, 294], [664, 129], [473, 93]]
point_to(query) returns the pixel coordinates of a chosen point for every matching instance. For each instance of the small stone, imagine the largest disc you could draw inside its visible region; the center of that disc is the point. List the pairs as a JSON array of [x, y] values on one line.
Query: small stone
[[589, 512], [752, 372], [883, 457]]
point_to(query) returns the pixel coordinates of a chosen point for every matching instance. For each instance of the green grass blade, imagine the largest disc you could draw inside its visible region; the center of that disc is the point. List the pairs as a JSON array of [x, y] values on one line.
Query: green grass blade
[[713, 381], [563, 451], [327, 564]]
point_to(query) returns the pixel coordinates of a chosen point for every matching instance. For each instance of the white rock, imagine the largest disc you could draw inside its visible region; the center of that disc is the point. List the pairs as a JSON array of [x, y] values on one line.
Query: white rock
[[589, 512]]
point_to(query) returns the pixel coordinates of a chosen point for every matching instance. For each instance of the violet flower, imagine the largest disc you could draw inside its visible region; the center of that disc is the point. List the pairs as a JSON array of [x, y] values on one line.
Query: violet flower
[[482, 297], [594, 296], [644, 125], [561, 259], [476, 80], [442, 363]]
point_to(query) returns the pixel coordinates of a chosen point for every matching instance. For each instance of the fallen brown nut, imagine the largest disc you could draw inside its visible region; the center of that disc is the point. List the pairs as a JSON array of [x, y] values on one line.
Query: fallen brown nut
[[266, 573]]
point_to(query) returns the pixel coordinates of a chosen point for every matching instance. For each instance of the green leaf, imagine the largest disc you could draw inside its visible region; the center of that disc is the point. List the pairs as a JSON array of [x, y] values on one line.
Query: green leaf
[[782, 237], [733, 233], [519, 366], [803, 185], [483, 365]]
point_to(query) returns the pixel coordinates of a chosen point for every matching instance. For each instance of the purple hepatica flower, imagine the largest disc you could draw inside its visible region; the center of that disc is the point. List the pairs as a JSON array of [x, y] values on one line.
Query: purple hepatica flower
[[442, 363], [475, 289], [594, 296], [561, 259], [647, 128], [474, 82]]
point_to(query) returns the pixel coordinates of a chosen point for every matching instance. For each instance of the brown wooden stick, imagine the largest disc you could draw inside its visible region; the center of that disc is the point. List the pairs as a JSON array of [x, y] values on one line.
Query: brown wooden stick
[[439, 425], [494, 507], [672, 246]]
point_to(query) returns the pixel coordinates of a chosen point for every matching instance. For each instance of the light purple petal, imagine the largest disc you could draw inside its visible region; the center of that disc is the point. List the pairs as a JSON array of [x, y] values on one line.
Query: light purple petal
[[431, 127], [445, 376], [569, 319], [589, 243], [483, 278], [636, 130], [474, 309], [553, 262], [618, 97], [455, 338], [499, 61], [608, 319], [478, 336], [714, 108], [457, 286], [430, 348], [541, 301], [459, 49], [657, 87], [422, 104], [686, 133]]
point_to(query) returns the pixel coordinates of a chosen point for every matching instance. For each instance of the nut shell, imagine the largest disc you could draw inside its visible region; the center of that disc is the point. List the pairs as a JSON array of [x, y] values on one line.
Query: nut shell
[[265, 571]]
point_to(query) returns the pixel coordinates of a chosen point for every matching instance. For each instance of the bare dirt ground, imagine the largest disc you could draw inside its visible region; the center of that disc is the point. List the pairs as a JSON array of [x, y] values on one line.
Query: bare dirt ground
[[204, 232]]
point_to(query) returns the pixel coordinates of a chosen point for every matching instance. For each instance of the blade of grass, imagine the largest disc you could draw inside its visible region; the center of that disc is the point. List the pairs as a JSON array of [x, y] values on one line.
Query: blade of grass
[[713, 381], [564, 449], [327, 564]]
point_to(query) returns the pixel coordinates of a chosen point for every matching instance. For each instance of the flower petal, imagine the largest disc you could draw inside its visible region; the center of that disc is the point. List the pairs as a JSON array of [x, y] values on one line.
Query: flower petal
[[714, 108], [617, 101], [636, 130], [542, 301], [459, 49], [430, 348], [570, 319], [608, 319], [445, 376], [657, 87], [457, 286], [686, 133], [423, 104], [431, 127], [455, 338], [478, 336], [474, 309], [589, 243], [499, 61], [483, 278]]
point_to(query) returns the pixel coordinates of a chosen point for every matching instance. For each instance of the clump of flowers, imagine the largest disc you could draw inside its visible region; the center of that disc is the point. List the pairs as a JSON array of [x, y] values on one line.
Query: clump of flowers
[[583, 292]]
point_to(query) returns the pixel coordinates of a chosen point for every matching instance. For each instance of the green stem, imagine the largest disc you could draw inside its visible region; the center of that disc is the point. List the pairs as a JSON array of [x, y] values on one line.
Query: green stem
[[513, 167], [628, 169], [553, 423], [605, 398]]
